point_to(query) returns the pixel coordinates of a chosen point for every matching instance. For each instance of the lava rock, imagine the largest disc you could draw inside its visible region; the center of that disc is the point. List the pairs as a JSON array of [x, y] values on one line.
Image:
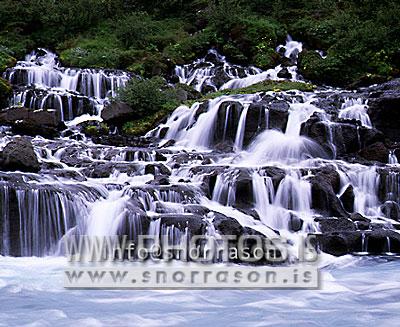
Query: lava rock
[[284, 73], [31, 122], [117, 113], [328, 225], [375, 152], [391, 210], [347, 198], [324, 186], [384, 112], [278, 112], [19, 155]]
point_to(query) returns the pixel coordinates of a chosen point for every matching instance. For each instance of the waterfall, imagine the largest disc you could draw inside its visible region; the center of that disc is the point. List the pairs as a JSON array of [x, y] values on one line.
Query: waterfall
[[355, 109], [44, 84], [241, 129]]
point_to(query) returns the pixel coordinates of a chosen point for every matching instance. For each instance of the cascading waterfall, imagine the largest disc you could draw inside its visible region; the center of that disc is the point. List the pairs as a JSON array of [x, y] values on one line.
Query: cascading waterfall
[[43, 84], [355, 109], [240, 159]]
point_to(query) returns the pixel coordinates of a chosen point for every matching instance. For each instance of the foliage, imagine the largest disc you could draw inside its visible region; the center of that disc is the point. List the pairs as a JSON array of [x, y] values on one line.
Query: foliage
[[148, 96], [149, 37]]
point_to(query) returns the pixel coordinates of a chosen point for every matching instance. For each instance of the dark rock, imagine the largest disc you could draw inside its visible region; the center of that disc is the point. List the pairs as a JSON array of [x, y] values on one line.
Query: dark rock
[[284, 73], [278, 112], [391, 210], [347, 198], [295, 223], [159, 180], [31, 122], [227, 121], [244, 191], [226, 225], [194, 223], [19, 155], [324, 186], [117, 113], [328, 225], [385, 113], [157, 169], [315, 129], [375, 152], [358, 217]]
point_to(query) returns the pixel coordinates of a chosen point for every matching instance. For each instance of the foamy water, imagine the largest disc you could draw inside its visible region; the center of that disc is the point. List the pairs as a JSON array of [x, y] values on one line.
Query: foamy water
[[354, 292]]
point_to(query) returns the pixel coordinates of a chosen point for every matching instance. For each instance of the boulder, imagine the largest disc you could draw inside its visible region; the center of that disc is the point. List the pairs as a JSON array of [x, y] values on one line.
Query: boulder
[[30, 122], [324, 186], [375, 152], [347, 198], [117, 113], [278, 114], [19, 155], [384, 111], [284, 73]]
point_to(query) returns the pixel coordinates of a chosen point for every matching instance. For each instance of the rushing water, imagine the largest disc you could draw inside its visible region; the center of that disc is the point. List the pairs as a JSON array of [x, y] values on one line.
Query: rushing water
[[243, 159], [355, 292]]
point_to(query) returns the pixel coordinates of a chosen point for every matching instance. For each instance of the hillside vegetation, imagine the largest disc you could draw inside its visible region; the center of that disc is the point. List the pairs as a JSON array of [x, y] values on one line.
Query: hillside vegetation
[[360, 37]]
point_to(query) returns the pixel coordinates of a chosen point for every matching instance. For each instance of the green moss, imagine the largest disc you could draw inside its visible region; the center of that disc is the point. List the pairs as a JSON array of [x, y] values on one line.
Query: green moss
[[96, 130], [5, 92], [6, 60], [264, 86], [142, 126]]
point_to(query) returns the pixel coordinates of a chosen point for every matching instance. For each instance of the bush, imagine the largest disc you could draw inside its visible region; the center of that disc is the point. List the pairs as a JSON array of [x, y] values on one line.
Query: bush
[[148, 96], [6, 60], [5, 92]]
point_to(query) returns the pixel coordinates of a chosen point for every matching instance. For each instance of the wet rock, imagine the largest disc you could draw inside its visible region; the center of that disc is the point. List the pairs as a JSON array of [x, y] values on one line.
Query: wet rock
[[328, 225], [159, 180], [19, 155], [375, 152], [157, 169], [346, 138], [30, 122], [278, 114], [255, 122], [384, 112], [227, 121], [339, 244], [347, 198], [295, 223], [315, 129], [226, 225], [117, 113], [284, 73], [104, 170], [391, 209], [194, 223], [244, 191], [324, 186], [358, 217]]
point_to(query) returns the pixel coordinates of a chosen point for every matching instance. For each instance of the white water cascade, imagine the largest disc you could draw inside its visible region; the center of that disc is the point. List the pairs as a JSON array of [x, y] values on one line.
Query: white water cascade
[[44, 84]]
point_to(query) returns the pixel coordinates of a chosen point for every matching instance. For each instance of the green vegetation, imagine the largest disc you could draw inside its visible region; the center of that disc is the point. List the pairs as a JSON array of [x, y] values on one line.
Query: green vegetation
[[361, 37], [265, 86], [5, 92], [148, 96]]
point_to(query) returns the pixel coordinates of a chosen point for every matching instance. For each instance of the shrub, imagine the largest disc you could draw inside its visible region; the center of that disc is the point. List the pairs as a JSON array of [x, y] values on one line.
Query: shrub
[[148, 96]]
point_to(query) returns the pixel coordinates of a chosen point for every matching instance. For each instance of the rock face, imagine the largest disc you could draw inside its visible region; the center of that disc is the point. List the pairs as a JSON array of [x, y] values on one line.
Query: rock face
[[19, 155], [375, 152], [117, 113], [32, 122], [384, 111]]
